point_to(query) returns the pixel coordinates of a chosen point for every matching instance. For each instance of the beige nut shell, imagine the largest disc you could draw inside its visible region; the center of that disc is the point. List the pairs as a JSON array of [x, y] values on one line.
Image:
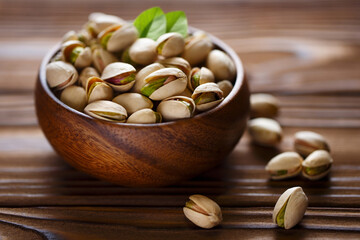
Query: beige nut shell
[[105, 106], [143, 116], [207, 87], [115, 69], [265, 131], [307, 142], [143, 51], [221, 65], [316, 159], [285, 161], [205, 76], [133, 102], [60, 75], [173, 46], [173, 109], [197, 48]]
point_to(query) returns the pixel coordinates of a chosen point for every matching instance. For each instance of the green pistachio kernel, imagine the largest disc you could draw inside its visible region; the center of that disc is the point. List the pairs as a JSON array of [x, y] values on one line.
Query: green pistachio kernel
[[158, 117], [195, 79], [151, 87], [205, 98], [160, 47], [316, 170], [105, 39], [75, 53], [281, 214]]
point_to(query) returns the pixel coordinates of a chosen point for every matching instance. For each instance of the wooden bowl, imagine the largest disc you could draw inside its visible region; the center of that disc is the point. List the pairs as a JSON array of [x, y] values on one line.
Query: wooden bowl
[[140, 155]]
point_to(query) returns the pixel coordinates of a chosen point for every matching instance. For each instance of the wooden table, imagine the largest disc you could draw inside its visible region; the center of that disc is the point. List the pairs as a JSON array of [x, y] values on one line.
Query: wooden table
[[306, 53]]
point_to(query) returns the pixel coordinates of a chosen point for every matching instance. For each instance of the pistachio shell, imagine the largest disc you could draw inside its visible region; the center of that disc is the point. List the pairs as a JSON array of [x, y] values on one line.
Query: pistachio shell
[[207, 88], [284, 165], [170, 44], [205, 75], [116, 69], [307, 142], [99, 91], [263, 105], [84, 59], [85, 74], [145, 115], [101, 21], [74, 97], [197, 48], [133, 102], [186, 93], [140, 76], [221, 65], [318, 158], [60, 75], [106, 110], [295, 202], [143, 51], [265, 131], [71, 35], [225, 86], [177, 62], [102, 58], [121, 38], [68, 47], [176, 107]]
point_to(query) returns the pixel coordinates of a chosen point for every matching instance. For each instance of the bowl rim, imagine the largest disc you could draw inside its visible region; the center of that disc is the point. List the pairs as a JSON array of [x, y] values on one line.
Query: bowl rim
[[239, 82]]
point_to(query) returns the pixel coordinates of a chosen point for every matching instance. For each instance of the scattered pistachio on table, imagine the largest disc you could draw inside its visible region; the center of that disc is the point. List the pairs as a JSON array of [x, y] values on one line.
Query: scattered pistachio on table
[[307, 142], [317, 165], [265, 131], [284, 165], [263, 105]]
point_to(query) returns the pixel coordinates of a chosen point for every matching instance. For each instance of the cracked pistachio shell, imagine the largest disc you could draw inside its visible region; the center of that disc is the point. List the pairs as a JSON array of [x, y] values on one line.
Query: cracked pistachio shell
[[177, 62], [100, 21], [97, 89], [203, 211], [204, 91], [221, 65], [133, 102], [146, 116], [116, 69], [263, 105], [290, 208], [317, 165], [226, 86], [74, 97], [106, 110], [85, 74], [83, 58], [199, 76], [122, 36], [170, 44], [284, 165], [140, 76], [197, 48], [60, 75], [265, 131], [102, 58], [176, 107], [307, 142], [172, 88], [143, 51]]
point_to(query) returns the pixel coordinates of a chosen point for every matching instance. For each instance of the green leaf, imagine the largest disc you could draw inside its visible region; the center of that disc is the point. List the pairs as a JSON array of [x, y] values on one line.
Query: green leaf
[[177, 22], [151, 23]]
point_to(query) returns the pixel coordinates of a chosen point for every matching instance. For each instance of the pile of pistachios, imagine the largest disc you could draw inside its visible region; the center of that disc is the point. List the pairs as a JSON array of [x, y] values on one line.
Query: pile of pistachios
[[119, 71]]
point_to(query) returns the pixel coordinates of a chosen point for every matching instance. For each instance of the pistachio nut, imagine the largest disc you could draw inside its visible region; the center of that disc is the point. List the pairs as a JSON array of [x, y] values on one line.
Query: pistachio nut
[[177, 62], [207, 96], [164, 83], [102, 58], [118, 37], [74, 97], [97, 89], [82, 36], [106, 110], [290, 208], [120, 76], [197, 48], [265, 131], [203, 211], [307, 142], [85, 74], [263, 105], [186, 93], [226, 86], [221, 65], [60, 75], [140, 76], [170, 44], [133, 102], [70, 35], [145, 115], [76, 53], [142, 51], [99, 21], [176, 107], [284, 165], [317, 165], [199, 76]]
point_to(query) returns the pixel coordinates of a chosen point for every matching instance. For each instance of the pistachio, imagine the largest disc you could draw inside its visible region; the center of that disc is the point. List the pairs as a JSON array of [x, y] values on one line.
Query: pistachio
[[120, 76], [140, 76], [203, 211], [197, 48], [97, 89], [76, 53], [170, 44], [207, 96], [133, 102], [142, 51], [106, 110], [263, 105], [145, 115], [70, 35], [74, 97], [117, 37], [176, 107], [317, 165], [265, 131], [60, 75], [290, 208], [164, 83], [221, 65], [102, 58], [186, 93], [85, 74], [307, 142], [226, 86], [199, 76], [177, 62], [100, 21], [284, 165]]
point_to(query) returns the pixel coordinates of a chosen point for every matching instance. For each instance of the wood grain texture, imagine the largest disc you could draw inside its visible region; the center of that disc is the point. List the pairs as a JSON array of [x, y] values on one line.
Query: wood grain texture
[[304, 52]]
